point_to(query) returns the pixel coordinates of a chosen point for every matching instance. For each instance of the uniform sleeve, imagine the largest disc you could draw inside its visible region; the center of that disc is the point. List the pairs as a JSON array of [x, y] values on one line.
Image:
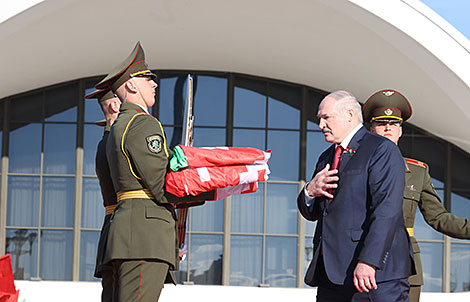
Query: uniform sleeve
[[436, 215], [147, 149], [386, 185]]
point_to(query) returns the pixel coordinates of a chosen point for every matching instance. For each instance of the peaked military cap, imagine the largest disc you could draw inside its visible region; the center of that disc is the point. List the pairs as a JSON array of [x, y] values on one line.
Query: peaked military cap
[[133, 66], [101, 95], [386, 106]]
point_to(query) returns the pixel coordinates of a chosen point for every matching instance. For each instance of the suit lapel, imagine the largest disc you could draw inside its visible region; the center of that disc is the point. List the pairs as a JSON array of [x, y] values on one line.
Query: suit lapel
[[353, 146]]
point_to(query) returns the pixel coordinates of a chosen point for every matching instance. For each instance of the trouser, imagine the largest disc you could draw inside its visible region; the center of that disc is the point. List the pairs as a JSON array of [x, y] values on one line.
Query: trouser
[[387, 291], [107, 285], [415, 292], [138, 280]]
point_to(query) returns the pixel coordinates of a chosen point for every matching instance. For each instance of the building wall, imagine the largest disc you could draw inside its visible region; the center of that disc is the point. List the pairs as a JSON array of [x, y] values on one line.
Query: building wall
[[54, 210]]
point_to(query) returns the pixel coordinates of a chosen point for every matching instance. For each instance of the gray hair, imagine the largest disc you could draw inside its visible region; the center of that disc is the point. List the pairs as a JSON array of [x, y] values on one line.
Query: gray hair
[[346, 101]]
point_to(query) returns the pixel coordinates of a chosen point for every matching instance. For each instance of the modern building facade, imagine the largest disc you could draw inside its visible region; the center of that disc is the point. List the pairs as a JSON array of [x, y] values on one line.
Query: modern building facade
[[50, 204]]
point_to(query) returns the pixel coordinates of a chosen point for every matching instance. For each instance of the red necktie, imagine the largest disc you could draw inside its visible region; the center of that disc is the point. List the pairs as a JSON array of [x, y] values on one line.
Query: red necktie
[[336, 160]]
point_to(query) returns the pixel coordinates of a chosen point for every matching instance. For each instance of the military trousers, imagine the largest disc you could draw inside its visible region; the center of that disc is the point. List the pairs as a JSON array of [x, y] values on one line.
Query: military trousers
[[107, 285], [415, 292], [138, 280]]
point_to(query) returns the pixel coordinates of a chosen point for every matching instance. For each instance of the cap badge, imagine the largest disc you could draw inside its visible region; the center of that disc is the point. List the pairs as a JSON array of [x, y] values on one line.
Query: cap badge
[[388, 111], [388, 93]]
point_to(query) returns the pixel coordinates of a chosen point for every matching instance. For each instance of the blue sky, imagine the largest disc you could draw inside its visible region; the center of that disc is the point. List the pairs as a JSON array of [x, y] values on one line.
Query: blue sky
[[456, 12]]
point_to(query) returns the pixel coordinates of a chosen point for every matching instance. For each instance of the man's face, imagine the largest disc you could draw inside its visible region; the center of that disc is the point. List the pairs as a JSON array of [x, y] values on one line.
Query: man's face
[[392, 131], [146, 87], [333, 123]]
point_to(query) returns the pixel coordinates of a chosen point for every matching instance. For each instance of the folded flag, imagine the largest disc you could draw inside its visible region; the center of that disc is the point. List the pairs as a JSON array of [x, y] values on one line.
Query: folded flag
[[194, 181], [184, 157], [223, 171]]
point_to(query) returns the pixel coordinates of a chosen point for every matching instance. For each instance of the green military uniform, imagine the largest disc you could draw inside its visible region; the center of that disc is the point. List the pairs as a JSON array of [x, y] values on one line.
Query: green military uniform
[[420, 193], [144, 227], [390, 106], [102, 270], [142, 241]]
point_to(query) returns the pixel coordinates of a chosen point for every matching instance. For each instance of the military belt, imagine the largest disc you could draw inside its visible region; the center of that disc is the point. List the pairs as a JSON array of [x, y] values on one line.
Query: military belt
[[110, 209], [141, 193], [411, 232]]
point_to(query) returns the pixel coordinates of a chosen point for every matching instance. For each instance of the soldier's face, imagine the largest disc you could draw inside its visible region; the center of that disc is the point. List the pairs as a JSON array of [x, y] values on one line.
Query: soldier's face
[[146, 87], [333, 123], [392, 131]]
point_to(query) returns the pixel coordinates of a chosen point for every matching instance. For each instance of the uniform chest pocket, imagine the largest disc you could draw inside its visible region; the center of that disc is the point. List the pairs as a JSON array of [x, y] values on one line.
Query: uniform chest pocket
[[410, 194], [157, 213]]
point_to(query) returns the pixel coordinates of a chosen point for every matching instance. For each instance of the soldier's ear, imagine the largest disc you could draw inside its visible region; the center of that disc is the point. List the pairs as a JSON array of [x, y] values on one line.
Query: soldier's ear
[[114, 106], [130, 86]]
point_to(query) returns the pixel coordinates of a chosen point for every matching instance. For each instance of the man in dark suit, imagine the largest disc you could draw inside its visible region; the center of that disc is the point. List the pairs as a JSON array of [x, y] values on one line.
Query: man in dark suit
[[361, 247]]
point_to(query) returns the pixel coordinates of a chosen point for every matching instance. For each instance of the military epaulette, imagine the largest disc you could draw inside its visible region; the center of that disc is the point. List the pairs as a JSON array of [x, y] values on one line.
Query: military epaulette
[[416, 162]]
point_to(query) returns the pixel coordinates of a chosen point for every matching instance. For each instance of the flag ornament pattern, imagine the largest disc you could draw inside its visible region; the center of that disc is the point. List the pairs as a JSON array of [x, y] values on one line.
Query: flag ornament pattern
[[227, 170]]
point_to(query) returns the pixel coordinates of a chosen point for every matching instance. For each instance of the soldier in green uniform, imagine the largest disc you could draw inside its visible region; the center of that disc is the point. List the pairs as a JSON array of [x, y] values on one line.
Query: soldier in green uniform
[[109, 104], [142, 241], [386, 110]]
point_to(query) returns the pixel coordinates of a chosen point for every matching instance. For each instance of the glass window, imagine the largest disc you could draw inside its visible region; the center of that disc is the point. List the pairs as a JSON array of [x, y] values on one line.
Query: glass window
[[460, 167], [281, 208], [247, 211], [92, 204], [26, 108], [59, 148], [250, 105], [92, 136], [281, 115], [437, 183], [182, 274], [431, 257], [423, 230], [209, 137], [281, 262], [284, 162], [208, 218], [245, 260], [172, 94], [88, 249], [249, 138], [418, 148], [210, 101], [316, 144], [313, 101], [206, 259], [22, 244], [308, 254], [460, 205], [61, 103], [310, 227], [460, 268], [25, 148], [56, 255], [93, 110], [173, 135], [23, 201], [58, 201], [284, 106]]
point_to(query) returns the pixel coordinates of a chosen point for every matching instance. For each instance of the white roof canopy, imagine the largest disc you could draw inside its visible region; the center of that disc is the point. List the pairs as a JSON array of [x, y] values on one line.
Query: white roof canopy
[[359, 45]]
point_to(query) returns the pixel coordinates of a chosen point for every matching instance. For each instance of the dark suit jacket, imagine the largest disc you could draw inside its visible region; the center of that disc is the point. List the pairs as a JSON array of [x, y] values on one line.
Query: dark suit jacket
[[364, 221]]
